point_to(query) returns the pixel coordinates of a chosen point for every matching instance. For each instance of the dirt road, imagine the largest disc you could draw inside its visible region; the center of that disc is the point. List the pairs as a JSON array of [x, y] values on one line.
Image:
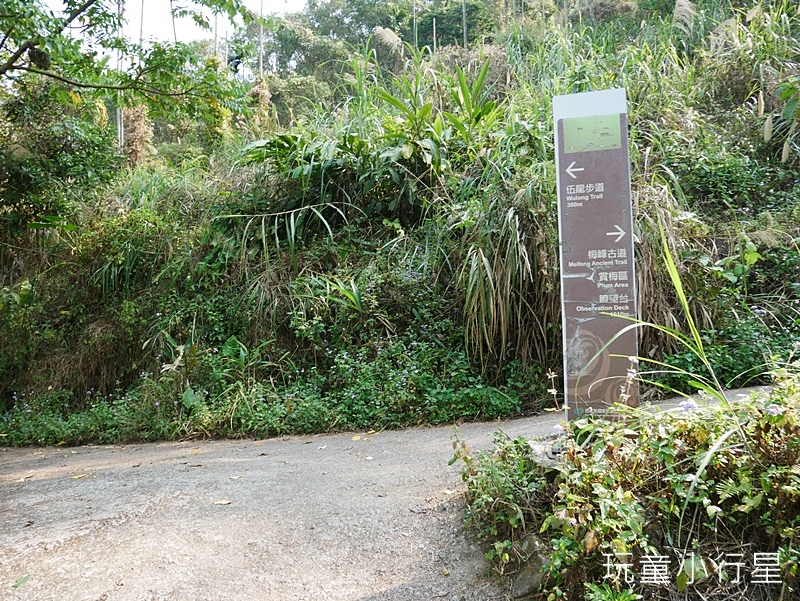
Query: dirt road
[[355, 517], [335, 517]]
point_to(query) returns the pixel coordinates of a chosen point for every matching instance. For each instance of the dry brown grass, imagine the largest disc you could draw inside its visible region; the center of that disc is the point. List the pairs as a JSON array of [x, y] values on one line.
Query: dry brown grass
[[138, 145], [512, 304]]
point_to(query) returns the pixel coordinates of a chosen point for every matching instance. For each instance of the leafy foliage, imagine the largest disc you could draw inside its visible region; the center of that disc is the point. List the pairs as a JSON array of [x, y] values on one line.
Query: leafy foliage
[[686, 483], [174, 78], [394, 200], [54, 144]]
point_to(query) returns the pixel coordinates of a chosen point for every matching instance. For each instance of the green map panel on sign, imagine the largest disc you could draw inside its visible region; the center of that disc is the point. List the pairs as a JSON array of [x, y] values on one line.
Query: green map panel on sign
[[588, 134]]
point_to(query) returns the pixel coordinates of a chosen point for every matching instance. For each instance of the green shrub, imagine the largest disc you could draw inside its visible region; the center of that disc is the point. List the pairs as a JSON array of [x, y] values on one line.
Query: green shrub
[[778, 271], [54, 144], [740, 352], [505, 489], [717, 178], [689, 485]]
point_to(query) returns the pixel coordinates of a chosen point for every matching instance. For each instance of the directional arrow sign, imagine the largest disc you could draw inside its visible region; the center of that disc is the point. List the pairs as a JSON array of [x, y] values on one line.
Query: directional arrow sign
[[572, 170], [598, 283], [619, 233]]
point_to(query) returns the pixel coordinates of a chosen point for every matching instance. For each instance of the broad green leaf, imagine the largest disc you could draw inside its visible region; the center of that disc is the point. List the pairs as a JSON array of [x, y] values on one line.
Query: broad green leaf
[[790, 109], [459, 125]]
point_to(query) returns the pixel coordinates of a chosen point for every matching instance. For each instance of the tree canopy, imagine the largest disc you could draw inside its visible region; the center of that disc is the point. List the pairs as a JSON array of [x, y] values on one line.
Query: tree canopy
[[76, 45]]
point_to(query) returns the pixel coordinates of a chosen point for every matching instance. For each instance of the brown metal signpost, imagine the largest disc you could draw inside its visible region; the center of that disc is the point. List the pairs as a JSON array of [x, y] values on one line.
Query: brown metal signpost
[[597, 257]]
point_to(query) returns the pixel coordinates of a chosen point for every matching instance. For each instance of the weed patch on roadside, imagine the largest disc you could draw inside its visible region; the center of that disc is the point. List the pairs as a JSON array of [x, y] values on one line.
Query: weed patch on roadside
[[696, 502]]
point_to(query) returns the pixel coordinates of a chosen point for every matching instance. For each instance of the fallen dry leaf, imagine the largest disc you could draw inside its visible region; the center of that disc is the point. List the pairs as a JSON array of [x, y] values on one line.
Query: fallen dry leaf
[[590, 541], [371, 432], [196, 465], [80, 476], [356, 438], [236, 477], [322, 448], [222, 502]]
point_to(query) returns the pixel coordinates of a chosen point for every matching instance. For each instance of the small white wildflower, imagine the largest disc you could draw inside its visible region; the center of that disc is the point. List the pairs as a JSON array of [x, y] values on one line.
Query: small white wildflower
[[689, 405], [774, 409], [634, 360], [559, 429]]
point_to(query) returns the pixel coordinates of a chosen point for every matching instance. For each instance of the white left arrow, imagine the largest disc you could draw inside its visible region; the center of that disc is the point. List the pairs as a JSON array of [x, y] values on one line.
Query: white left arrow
[[619, 233], [572, 170]]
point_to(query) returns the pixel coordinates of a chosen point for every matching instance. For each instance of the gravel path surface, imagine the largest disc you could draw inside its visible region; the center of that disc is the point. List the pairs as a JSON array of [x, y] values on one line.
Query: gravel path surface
[[356, 517]]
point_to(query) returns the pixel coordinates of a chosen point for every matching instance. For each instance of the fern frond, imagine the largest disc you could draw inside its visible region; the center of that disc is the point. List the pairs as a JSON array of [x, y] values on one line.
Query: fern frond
[[731, 488]]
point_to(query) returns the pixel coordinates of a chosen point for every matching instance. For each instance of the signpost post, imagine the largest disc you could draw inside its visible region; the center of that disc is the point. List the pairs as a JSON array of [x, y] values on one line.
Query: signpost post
[[595, 219]]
